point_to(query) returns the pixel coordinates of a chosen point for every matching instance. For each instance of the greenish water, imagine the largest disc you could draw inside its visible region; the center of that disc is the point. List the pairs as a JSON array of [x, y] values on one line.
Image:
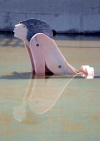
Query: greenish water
[[45, 108]]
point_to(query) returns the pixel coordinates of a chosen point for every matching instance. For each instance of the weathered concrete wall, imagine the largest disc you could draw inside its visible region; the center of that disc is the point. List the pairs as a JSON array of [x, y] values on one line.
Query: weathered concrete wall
[[62, 15]]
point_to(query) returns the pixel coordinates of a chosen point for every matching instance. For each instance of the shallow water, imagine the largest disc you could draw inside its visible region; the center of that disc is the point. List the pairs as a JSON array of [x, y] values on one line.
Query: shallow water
[[45, 108]]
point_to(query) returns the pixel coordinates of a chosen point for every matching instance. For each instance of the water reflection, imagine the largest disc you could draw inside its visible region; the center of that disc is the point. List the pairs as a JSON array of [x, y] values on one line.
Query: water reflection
[[41, 95]]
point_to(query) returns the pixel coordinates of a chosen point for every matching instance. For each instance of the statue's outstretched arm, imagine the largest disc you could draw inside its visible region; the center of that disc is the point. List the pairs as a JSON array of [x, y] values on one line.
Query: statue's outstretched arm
[[45, 52]]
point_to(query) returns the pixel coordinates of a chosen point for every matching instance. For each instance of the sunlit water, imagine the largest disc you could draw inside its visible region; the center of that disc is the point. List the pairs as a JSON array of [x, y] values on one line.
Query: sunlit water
[[45, 108]]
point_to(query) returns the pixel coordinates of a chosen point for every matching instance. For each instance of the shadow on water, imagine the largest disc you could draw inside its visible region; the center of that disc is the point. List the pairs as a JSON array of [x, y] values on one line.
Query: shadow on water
[[30, 75], [78, 36], [8, 39], [16, 75]]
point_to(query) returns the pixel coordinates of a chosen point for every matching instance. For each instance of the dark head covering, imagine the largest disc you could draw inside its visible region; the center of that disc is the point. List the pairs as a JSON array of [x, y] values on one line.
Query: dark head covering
[[37, 26]]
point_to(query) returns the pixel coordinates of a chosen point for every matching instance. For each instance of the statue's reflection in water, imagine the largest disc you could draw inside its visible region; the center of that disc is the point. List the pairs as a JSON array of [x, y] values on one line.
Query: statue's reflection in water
[[40, 97]]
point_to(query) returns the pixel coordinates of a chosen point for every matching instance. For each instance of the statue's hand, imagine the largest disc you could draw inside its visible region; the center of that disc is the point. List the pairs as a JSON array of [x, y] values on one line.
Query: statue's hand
[[87, 72]]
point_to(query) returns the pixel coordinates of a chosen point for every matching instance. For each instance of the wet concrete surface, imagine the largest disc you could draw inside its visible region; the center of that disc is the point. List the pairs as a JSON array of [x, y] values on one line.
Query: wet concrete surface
[[45, 108]]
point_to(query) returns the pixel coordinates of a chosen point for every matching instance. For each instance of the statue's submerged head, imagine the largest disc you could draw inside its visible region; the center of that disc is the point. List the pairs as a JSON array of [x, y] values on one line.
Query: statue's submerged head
[[37, 26]]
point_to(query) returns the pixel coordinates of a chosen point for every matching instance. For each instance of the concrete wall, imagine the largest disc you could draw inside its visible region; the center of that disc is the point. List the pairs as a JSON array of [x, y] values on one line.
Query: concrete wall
[[62, 15]]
